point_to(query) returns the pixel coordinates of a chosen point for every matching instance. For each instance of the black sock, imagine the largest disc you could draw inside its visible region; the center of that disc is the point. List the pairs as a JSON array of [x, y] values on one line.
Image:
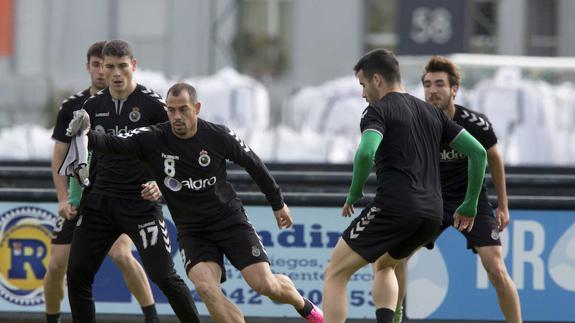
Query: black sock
[[307, 307], [53, 318], [384, 315], [150, 314]]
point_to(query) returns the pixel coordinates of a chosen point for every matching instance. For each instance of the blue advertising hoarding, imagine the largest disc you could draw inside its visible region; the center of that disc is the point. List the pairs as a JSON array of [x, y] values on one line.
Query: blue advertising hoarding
[[447, 282]]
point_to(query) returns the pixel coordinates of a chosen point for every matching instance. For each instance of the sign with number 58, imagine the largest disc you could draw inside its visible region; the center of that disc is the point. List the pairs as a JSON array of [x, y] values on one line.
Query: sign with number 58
[[429, 27]]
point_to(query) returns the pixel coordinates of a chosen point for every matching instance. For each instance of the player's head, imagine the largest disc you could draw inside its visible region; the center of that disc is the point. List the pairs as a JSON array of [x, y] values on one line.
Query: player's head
[[183, 107], [94, 65], [440, 80], [377, 71], [119, 65]]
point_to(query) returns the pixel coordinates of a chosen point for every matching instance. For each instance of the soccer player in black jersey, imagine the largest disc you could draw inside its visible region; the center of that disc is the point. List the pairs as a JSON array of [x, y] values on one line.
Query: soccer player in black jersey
[[187, 157], [121, 250], [114, 203], [441, 80], [404, 135]]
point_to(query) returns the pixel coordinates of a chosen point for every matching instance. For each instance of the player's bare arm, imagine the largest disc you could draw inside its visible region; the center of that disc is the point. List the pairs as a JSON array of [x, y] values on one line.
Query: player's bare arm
[[65, 210], [497, 170]]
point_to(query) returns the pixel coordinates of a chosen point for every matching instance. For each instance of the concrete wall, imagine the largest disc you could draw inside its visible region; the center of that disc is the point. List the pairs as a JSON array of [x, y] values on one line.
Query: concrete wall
[[512, 27], [566, 28], [328, 39], [176, 37]]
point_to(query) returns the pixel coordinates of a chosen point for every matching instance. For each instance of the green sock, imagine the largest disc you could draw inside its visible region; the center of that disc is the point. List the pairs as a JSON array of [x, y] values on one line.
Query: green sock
[[398, 314]]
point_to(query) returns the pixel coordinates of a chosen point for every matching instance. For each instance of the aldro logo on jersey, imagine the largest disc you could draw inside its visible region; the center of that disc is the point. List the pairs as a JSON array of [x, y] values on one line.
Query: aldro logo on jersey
[[199, 184], [116, 131], [25, 234], [451, 155], [193, 184], [120, 132]]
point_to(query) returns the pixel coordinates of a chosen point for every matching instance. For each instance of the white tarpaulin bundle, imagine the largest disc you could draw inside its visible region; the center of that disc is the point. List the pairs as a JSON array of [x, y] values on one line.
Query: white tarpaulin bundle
[[534, 120], [227, 97]]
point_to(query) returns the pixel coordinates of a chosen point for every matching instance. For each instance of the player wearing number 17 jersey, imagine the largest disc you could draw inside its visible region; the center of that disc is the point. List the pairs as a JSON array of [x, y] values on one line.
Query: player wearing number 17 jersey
[[187, 157], [121, 250], [113, 203]]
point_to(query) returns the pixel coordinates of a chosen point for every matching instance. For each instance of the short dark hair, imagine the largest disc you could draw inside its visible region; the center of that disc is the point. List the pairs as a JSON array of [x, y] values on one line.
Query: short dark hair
[[181, 86], [382, 62], [443, 64], [118, 48], [95, 50]]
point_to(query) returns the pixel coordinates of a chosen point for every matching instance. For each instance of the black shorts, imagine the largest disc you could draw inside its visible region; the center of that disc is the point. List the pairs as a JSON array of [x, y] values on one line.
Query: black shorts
[[63, 231], [239, 243], [104, 218], [485, 230], [374, 233]]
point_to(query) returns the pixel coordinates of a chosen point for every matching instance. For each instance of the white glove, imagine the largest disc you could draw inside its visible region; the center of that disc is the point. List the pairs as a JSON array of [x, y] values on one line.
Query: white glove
[[80, 123], [82, 175]]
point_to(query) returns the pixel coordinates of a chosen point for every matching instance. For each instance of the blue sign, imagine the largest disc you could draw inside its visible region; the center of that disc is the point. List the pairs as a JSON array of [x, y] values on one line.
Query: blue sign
[[447, 282], [25, 234]]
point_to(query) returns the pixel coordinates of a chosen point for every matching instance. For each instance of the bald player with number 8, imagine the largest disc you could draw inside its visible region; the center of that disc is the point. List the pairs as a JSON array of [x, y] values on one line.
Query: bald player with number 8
[[187, 157]]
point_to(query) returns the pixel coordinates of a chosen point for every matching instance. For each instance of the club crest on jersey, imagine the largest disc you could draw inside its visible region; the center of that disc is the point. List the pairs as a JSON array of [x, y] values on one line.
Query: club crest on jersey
[[172, 183], [100, 129], [204, 159], [256, 252], [135, 115], [25, 234], [494, 234]]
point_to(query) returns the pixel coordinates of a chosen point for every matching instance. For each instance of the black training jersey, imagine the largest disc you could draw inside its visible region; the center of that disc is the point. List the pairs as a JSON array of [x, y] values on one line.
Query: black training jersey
[[191, 173], [116, 175], [66, 113], [454, 165], [406, 162]]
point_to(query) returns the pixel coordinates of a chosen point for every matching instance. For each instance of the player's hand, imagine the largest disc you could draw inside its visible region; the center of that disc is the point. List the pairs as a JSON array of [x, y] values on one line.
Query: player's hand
[[151, 191], [347, 210], [67, 210], [461, 222], [283, 217], [80, 122], [502, 218]]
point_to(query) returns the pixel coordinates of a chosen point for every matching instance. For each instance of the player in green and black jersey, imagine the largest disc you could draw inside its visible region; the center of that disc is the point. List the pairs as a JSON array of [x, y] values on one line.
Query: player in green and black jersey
[[403, 136], [441, 81]]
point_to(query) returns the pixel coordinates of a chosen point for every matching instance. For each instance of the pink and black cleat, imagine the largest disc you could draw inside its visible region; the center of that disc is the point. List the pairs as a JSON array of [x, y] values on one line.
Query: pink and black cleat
[[315, 315]]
